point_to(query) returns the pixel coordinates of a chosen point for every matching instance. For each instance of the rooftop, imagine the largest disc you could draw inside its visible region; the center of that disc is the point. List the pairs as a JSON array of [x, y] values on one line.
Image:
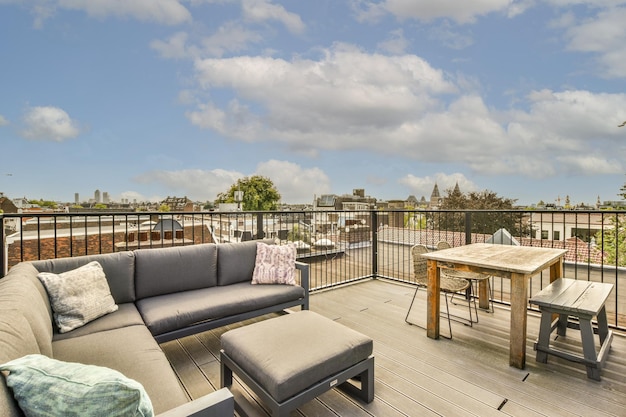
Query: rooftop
[[417, 376]]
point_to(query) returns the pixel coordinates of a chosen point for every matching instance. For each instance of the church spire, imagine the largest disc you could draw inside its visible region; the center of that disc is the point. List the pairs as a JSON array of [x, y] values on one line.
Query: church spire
[[435, 197]]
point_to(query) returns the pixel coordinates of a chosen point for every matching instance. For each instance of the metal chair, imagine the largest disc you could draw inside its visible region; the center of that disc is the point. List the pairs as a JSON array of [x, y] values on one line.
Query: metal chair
[[474, 277], [447, 285]]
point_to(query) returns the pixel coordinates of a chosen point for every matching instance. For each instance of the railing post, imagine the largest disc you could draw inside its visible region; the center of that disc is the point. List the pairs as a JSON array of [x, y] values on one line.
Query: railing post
[[3, 261], [260, 234], [374, 223], [468, 228]]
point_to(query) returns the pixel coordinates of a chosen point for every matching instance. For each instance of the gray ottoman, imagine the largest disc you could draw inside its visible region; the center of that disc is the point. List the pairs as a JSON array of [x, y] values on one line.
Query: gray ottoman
[[289, 360]]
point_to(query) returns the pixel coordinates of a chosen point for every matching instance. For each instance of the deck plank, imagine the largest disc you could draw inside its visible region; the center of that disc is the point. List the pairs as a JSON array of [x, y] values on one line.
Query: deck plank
[[418, 376]]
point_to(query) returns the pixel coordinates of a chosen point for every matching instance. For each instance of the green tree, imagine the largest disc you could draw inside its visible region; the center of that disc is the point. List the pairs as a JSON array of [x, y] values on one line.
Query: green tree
[[415, 220], [622, 192], [44, 203], [299, 233], [613, 241], [490, 213], [164, 208], [259, 194]]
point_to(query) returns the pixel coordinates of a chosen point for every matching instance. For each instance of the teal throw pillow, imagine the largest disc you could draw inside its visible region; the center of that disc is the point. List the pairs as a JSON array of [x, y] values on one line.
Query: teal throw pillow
[[46, 387]]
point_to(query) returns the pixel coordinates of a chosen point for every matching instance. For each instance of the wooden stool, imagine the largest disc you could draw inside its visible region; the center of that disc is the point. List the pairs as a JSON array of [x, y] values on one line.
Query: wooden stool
[[581, 299]]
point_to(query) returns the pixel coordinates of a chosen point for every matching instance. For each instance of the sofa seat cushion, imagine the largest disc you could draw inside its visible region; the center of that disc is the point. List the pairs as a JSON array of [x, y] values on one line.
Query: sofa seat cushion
[[126, 315], [46, 386], [132, 351], [163, 314]]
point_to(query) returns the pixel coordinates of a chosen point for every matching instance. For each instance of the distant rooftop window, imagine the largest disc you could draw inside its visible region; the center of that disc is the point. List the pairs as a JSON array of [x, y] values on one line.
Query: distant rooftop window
[[327, 200]]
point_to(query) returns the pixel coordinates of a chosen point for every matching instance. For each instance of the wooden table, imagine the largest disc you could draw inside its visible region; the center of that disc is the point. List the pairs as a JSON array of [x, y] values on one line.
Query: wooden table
[[518, 263]]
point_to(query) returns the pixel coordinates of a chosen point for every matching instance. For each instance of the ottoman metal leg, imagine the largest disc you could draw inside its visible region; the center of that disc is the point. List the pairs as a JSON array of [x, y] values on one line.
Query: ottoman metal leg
[[226, 375], [366, 391]]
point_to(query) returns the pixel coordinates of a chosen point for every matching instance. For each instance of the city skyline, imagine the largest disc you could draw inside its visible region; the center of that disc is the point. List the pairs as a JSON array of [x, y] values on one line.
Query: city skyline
[[168, 97], [98, 196]]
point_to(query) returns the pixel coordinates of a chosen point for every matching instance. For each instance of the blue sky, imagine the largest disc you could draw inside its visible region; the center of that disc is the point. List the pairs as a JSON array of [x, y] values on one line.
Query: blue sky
[[146, 99]]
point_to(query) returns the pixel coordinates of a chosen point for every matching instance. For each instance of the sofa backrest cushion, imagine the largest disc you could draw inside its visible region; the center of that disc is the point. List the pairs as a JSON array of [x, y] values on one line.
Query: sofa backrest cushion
[[180, 268], [235, 261], [20, 290], [16, 340], [118, 267]]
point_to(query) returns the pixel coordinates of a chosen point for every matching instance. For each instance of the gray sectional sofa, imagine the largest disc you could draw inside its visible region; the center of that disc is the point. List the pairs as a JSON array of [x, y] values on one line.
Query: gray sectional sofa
[[162, 294]]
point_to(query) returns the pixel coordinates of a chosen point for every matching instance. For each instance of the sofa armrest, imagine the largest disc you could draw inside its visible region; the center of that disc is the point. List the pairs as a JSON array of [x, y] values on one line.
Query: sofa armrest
[[216, 404], [304, 282]]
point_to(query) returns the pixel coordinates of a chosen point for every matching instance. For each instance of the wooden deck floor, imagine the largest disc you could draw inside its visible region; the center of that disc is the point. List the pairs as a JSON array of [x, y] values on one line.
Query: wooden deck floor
[[417, 376]]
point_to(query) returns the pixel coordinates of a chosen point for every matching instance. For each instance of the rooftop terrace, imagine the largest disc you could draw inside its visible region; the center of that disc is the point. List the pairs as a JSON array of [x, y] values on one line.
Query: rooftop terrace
[[417, 376]]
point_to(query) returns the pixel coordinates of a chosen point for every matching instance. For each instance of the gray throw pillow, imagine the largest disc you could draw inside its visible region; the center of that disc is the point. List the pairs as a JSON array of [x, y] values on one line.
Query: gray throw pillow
[[78, 296]]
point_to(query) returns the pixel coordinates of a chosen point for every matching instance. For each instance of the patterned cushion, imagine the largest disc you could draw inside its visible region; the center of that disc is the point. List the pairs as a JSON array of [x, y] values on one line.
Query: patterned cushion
[[275, 264], [78, 296], [47, 387]]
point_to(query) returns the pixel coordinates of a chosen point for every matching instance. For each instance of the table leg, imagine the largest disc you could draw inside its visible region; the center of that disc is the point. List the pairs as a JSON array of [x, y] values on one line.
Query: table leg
[[433, 300], [556, 270], [519, 302], [483, 294]]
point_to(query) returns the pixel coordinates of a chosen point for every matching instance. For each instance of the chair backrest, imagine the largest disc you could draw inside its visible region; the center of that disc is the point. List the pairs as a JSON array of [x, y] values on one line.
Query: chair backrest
[[442, 244], [420, 264]]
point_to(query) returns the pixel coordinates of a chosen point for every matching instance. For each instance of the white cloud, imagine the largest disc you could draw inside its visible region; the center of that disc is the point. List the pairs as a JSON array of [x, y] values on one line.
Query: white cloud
[[295, 184], [3, 121], [175, 47], [169, 12], [231, 37], [197, 184], [49, 123], [568, 132], [450, 37], [400, 105], [263, 10], [396, 44], [343, 101], [605, 36], [428, 10], [237, 121], [133, 196]]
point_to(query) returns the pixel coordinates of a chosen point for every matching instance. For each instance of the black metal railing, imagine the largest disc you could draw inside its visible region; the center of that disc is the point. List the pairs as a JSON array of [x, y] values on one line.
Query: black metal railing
[[340, 246]]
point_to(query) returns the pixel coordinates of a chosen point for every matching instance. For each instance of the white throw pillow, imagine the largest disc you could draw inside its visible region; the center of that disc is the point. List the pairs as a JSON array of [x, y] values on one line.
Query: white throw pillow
[[78, 296], [275, 264]]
